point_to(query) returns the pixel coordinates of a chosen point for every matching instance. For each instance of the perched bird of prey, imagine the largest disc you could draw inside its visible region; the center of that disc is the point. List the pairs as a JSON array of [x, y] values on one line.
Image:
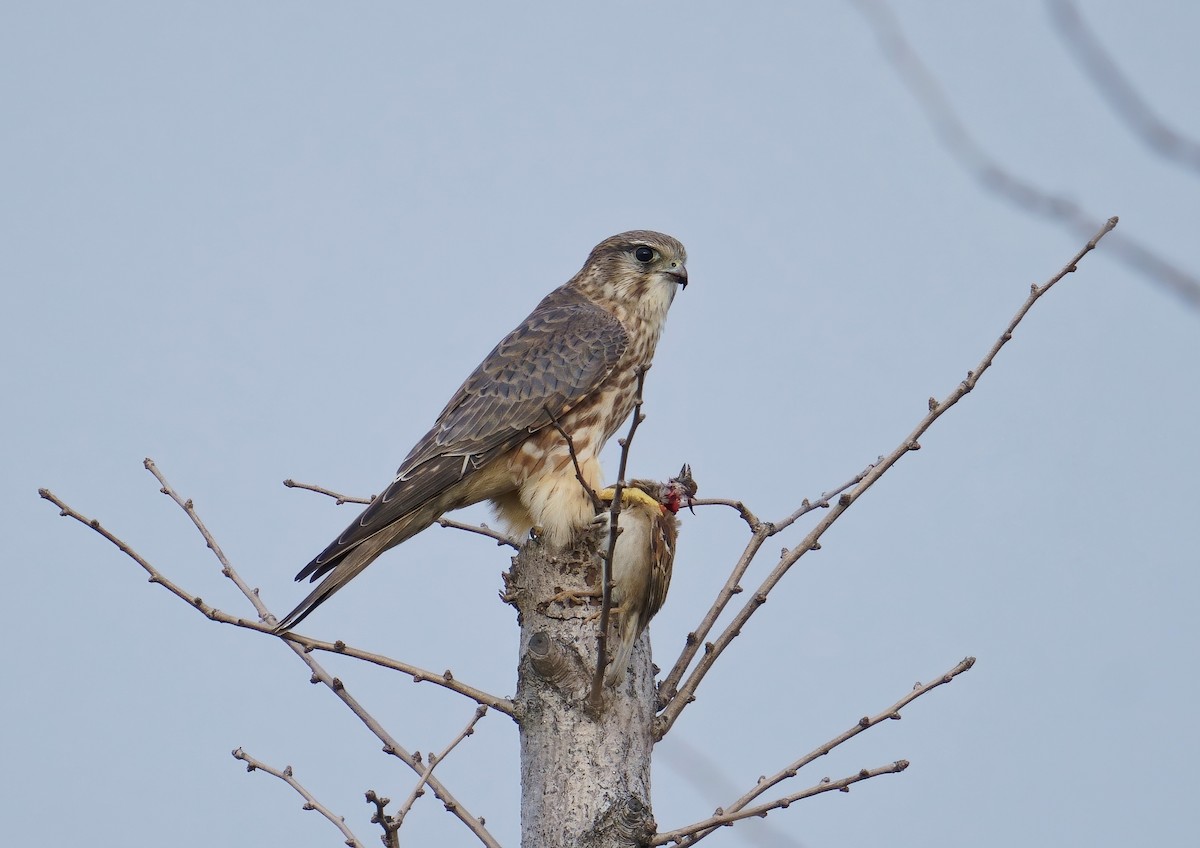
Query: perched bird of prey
[[573, 362], [643, 557]]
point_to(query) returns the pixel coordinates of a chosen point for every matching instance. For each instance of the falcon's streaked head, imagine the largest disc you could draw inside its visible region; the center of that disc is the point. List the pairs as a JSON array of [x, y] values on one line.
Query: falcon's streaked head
[[638, 272], [571, 364]]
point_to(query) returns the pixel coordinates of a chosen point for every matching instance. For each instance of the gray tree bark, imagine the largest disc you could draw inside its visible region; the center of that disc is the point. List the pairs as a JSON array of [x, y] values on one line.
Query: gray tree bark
[[585, 772]]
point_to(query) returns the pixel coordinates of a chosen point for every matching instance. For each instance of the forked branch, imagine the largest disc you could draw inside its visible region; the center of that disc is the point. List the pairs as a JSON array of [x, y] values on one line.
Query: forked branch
[[318, 673], [693, 833], [892, 713], [433, 760]]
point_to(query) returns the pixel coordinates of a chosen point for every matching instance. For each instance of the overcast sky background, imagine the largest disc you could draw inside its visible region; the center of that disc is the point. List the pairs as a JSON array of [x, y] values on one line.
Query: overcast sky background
[[260, 241]]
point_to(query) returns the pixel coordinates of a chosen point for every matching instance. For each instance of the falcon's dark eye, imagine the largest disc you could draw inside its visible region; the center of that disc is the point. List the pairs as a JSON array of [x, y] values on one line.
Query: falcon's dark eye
[[643, 254]]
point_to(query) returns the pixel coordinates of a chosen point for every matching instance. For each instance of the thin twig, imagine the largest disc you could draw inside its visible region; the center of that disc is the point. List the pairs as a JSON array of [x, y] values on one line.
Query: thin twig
[[614, 516], [595, 499], [823, 501], [693, 833], [760, 532], [321, 490], [319, 674], [433, 760], [686, 693], [480, 529], [190, 510], [992, 176], [310, 802], [669, 685]]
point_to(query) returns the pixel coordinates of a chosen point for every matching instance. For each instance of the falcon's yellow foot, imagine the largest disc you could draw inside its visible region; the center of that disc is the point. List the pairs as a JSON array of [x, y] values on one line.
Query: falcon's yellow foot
[[629, 495]]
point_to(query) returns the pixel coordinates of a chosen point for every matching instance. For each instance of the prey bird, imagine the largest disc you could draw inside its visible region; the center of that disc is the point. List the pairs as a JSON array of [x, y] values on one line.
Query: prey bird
[[573, 363], [643, 557]]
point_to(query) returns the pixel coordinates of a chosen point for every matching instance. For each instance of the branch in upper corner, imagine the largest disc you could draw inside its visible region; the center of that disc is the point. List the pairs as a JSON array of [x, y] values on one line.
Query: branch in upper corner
[[676, 701], [310, 802], [693, 833], [595, 698], [992, 176], [1115, 87]]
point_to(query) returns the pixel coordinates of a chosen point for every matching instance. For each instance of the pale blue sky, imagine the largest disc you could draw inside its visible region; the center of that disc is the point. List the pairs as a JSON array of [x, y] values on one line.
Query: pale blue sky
[[259, 241]]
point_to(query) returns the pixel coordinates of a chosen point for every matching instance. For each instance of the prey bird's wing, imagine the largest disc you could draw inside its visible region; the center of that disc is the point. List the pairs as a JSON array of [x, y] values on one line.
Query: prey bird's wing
[[556, 358]]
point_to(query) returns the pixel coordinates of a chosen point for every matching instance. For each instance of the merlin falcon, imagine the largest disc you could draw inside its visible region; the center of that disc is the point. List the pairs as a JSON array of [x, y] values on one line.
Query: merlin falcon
[[573, 363]]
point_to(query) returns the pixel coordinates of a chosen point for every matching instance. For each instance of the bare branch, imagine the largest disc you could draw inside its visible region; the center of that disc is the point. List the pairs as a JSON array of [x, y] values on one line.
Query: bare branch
[[446, 679], [823, 501], [418, 674], [380, 817], [686, 694], [321, 490], [989, 173], [760, 532], [226, 569], [1115, 87], [434, 760], [481, 529], [693, 833], [319, 674], [864, 723], [749, 517], [668, 686], [614, 530], [310, 802]]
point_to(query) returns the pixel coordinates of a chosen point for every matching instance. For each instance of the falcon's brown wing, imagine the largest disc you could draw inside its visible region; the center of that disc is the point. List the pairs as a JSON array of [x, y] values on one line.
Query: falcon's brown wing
[[555, 359]]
